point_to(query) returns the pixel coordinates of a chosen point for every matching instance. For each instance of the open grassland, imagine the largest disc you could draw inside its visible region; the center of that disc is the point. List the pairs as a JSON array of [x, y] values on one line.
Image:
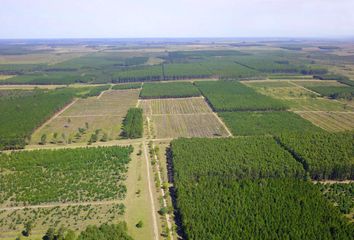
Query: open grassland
[[234, 96], [110, 103], [169, 90], [205, 171], [182, 117], [330, 121], [75, 217], [260, 123], [317, 104], [318, 83], [100, 116], [175, 106], [4, 77]]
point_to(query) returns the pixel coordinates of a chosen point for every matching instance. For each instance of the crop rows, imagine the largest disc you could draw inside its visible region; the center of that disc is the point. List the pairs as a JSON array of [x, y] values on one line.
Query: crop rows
[[261, 123], [234, 96], [67, 175]]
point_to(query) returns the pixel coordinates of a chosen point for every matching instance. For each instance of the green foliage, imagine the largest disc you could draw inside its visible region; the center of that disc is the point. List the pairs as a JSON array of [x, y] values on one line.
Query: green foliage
[[133, 123], [166, 90], [140, 224], [340, 194], [20, 116], [245, 157], [334, 91], [95, 91], [260, 123], [106, 231], [234, 96], [135, 74], [222, 208], [83, 174], [249, 188], [324, 155], [126, 86]]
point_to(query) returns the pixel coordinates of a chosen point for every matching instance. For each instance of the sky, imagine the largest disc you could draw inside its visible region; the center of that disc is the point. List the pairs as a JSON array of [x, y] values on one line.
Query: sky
[[175, 18]]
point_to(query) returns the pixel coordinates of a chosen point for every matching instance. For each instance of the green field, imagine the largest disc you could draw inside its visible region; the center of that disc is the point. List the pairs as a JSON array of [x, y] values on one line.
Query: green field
[[234, 96], [169, 90], [76, 175], [260, 123]]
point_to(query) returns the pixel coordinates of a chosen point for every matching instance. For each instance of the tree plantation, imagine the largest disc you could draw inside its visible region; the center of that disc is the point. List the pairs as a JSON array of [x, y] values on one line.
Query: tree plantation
[[176, 139], [68, 175]]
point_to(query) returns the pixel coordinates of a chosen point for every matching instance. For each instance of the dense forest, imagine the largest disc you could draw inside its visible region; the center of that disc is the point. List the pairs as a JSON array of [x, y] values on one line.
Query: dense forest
[[324, 155], [249, 188]]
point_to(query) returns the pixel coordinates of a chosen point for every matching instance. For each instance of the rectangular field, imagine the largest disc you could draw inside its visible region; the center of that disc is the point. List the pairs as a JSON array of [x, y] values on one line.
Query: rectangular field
[[102, 116], [229, 96], [263, 123], [194, 125], [183, 117], [330, 121], [175, 106], [169, 90]]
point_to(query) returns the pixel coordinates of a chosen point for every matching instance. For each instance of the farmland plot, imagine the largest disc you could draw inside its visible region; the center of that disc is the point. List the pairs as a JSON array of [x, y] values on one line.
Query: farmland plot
[[101, 116], [330, 121], [184, 117], [175, 106]]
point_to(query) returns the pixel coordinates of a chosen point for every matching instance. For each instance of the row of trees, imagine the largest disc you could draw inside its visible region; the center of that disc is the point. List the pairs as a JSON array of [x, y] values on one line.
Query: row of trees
[[133, 123], [103, 232]]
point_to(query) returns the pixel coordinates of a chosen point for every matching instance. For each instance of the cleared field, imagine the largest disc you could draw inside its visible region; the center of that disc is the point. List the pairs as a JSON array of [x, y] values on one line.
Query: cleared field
[[286, 92], [101, 116], [317, 83], [316, 104], [196, 125], [183, 117], [4, 77], [110, 103], [67, 127], [330, 121], [270, 83], [175, 106]]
